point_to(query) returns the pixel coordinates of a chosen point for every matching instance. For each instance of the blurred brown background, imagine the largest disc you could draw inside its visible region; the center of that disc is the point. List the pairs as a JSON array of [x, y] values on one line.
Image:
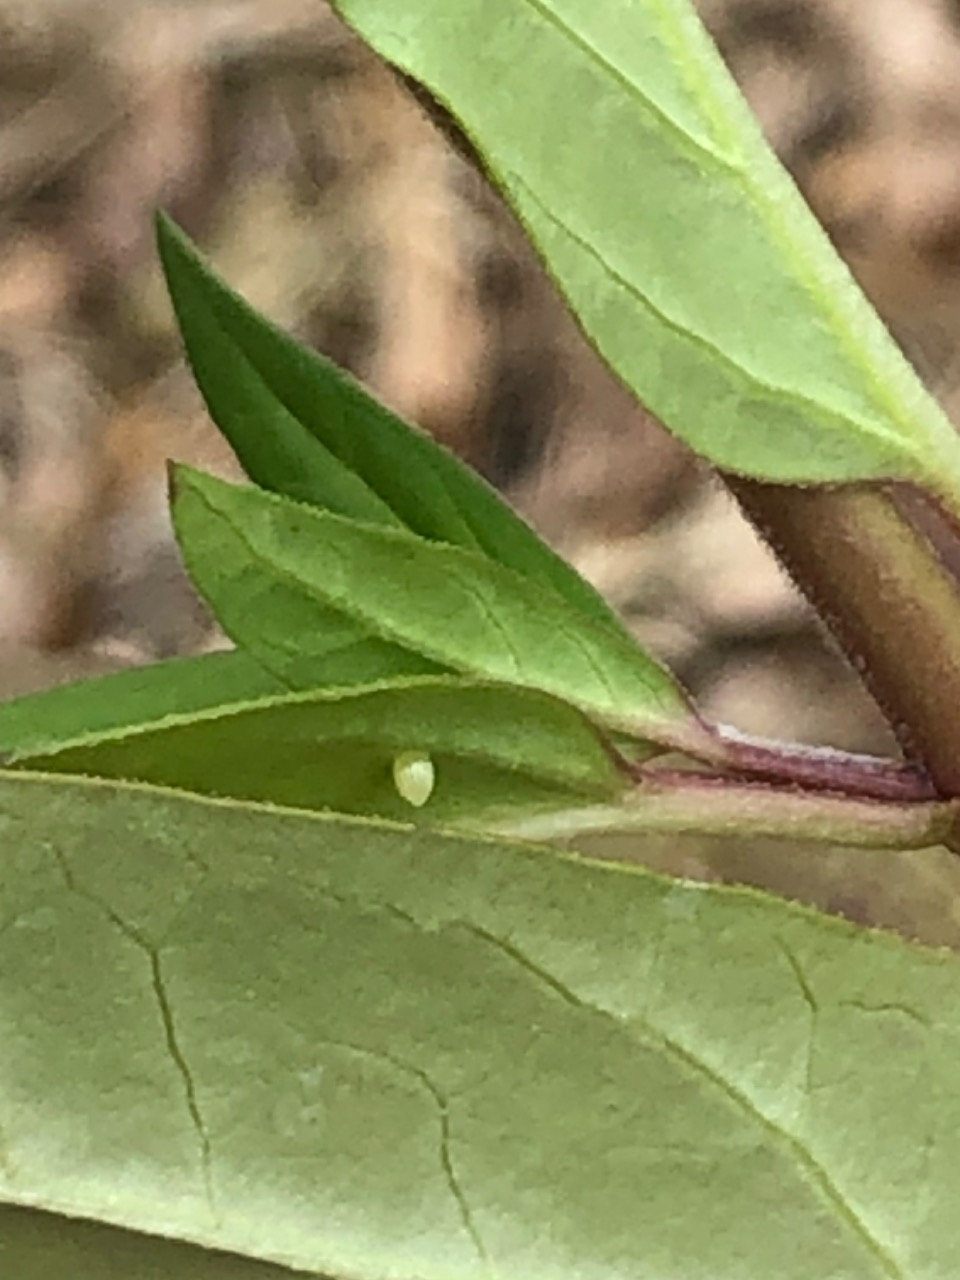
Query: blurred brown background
[[322, 193]]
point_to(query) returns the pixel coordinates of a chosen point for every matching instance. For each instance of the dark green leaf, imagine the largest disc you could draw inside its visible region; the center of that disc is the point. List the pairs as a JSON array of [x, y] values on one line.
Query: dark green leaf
[[48, 1246], [304, 428], [118, 702], [495, 750]]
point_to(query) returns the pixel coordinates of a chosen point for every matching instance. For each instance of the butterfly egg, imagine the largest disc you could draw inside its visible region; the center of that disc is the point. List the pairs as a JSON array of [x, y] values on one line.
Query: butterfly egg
[[414, 777]]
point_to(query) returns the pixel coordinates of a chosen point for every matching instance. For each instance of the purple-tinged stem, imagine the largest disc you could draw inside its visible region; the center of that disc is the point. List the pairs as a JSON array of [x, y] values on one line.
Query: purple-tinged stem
[[886, 597], [690, 804], [820, 768]]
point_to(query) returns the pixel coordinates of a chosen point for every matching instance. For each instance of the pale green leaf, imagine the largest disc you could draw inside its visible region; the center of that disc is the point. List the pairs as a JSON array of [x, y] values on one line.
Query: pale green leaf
[[264, 562], [378, 1052], [494, 750], [689, 256]]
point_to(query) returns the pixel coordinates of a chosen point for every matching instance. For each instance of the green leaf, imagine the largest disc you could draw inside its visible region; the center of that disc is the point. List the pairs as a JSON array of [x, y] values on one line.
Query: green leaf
[[126, 699], [494, 749], [263, 563], [307, 646], [41, 1246], [688, 255], [381, 1052], [303, 428]]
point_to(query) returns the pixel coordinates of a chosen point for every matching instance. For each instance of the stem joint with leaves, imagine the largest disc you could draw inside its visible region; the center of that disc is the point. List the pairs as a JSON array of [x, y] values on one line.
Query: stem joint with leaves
[[301, 890]]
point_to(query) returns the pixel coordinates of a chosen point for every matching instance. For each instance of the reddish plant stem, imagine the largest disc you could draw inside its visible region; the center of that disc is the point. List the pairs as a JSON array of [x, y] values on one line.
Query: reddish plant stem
[[886, 598], [737, 757], [821, 768]]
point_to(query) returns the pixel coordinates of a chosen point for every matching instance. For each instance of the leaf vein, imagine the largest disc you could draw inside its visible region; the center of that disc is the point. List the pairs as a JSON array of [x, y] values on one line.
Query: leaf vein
[[441, 1102], [760, 387], [175, 1052], [688, 140], [814, 1170], [495, 623], [813, 1008], [374, 625]]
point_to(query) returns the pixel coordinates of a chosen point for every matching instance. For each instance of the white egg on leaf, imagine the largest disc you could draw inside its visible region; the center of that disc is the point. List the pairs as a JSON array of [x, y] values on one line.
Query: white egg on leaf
[[414, 776]]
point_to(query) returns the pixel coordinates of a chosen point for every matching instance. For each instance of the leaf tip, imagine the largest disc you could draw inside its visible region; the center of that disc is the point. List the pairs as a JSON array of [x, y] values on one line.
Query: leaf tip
[[175, 249], [167, 231], [183, 480]]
